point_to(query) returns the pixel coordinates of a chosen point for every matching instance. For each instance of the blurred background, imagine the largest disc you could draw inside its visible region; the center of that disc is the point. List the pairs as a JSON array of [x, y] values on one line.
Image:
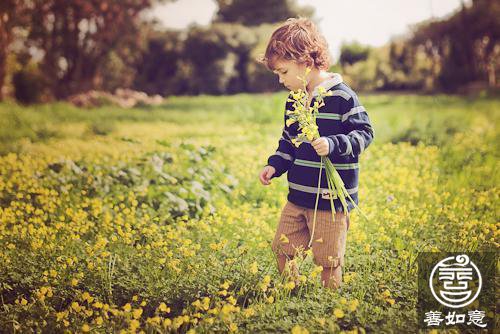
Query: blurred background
[[54, 49]]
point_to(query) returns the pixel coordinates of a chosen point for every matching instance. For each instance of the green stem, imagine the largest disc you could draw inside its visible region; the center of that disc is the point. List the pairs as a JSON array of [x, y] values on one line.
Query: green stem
[[331, 188], [316, 205]]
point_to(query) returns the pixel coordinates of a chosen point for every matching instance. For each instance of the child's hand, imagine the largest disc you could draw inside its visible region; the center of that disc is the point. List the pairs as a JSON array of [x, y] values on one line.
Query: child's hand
[[266, 174], [321, 146]]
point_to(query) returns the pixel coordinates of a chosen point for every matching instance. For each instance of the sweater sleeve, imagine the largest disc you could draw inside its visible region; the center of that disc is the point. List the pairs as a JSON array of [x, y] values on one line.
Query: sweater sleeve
[[359, 132], [284, 156]]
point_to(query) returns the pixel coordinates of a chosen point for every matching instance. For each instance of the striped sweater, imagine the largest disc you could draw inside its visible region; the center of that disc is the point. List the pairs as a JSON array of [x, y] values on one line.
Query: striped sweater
[[346, 125]]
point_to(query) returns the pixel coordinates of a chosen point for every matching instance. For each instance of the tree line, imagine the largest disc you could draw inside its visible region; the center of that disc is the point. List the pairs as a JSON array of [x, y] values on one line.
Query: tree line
[[52, 49]]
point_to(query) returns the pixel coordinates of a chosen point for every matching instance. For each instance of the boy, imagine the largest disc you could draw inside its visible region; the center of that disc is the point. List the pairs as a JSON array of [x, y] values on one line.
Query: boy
[[346, 132]]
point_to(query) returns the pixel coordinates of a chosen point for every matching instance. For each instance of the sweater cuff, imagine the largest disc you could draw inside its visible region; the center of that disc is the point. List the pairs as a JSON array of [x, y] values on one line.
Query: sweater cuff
[[331, 145], [277, 167]]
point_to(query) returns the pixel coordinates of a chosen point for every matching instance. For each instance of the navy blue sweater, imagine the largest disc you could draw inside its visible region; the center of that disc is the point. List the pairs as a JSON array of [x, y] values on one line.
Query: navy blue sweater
[[346, 125]]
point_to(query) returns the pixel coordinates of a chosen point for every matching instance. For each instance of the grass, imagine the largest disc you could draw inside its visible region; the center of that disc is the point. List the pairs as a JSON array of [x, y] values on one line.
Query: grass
[[107, 213]]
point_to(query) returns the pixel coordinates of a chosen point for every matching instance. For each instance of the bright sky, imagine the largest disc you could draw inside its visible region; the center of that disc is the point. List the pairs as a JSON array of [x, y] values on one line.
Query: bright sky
[[371, 22]]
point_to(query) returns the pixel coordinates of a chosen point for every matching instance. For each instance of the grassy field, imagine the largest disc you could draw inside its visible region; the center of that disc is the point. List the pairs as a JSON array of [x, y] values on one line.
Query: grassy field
[[153, 219]]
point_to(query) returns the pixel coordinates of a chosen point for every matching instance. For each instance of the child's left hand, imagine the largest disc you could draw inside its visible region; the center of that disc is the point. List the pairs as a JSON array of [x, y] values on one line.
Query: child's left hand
[[321, 146]]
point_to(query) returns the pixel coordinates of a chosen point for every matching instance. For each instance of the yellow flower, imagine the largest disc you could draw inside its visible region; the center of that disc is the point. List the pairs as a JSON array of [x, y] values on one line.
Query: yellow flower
[[86, 296], [127, 307], [353, 304], [296, 142], [24, 301], [349, 277], [137, 313], [299, 330], [231, 300], [284, 239], [134, 324], [338, 313], [163, 308], [85, 328], [249, 312], [254, 267], [316, 271], [386, 293], [60, 315], [75, 306], [97, 305], [310, 135]]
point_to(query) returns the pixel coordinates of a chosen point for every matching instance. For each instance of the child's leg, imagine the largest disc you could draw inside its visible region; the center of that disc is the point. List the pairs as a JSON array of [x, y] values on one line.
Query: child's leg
[[283, 261], [292, 233], [329, 244], [331, 277]]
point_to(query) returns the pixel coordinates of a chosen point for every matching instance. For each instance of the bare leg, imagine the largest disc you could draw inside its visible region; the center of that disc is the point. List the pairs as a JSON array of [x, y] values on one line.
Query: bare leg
[[283, 260], [331, 277]]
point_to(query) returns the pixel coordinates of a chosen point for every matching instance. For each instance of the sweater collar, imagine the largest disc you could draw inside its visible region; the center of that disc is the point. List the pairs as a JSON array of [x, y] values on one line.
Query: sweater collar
[[333, 80]]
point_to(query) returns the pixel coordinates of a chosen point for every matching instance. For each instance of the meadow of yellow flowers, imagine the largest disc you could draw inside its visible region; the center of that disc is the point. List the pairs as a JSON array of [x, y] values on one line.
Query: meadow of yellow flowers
[[153, 220]]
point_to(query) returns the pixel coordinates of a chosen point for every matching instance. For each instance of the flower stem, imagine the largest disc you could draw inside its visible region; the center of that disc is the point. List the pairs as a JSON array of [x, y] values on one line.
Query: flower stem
[[316, 205]]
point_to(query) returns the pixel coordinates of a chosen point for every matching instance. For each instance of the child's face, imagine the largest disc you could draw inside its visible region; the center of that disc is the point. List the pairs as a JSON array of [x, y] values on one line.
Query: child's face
[[288, 70]]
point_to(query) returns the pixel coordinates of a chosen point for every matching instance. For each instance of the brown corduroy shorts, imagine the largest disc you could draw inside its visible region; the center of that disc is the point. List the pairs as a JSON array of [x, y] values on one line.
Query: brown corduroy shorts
[[295, 228]]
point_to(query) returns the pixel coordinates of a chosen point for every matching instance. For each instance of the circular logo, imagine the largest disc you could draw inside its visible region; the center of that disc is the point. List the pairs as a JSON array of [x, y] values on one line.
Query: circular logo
[[455, 281]]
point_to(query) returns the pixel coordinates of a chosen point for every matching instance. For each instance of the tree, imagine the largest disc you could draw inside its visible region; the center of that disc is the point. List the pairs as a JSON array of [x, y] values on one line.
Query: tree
[[249, 13], [466, 44], [76, 38], [351, 53], [161, 68], [12, 15], [218, 56]]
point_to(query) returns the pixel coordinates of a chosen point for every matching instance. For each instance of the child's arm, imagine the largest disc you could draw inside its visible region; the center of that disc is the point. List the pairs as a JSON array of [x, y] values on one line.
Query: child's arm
[[360, 132], [284, 156]]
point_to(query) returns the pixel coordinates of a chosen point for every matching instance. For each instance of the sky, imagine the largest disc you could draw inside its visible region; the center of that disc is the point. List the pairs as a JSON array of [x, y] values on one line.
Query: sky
[[370, 22]]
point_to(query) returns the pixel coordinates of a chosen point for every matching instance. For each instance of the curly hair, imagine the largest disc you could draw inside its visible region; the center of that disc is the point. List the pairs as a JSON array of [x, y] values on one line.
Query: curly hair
[[297, 39]]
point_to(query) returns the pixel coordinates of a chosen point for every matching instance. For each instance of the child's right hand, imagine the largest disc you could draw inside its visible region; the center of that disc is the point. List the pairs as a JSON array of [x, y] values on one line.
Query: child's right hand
[[266, 174]]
